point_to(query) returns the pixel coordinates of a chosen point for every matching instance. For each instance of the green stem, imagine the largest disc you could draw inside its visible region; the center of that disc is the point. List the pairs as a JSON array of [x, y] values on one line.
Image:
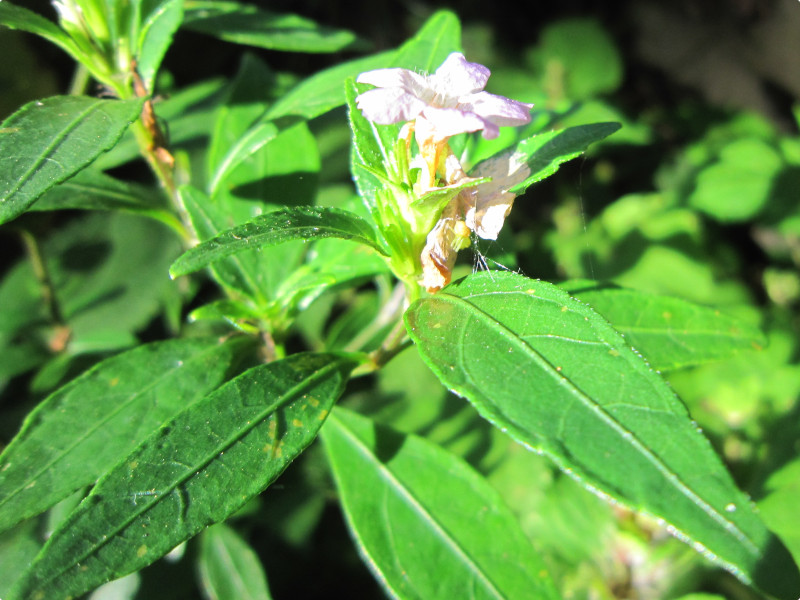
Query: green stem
[[43, 276], [80, 80]]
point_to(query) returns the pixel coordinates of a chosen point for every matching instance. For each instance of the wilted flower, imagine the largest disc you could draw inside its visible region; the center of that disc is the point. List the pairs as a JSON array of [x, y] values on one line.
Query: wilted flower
[[481, 209]]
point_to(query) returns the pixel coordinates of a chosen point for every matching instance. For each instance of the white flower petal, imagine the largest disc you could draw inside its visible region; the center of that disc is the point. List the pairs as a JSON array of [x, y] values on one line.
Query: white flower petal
[[387, 78], [457, 77], [447, 122], [389, 105], [499, 110]]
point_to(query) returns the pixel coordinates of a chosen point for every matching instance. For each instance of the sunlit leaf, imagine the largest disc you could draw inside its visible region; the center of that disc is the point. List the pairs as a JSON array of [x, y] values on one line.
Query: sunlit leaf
[[197, 469], [553, 374], [87, 426], [47, 141], [301, 223], [670, 332], [422, 517]]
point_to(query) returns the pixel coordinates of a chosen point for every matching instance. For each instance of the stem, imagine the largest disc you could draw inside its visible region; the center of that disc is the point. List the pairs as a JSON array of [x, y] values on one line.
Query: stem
[[80, 79], [43, 276]]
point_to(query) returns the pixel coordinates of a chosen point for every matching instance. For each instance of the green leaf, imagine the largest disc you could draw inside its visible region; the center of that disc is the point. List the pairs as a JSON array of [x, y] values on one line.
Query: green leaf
[[47, 141], [255, 138], [300, 223], [671, 333], [739, 185], [156, 30], [440, 35], [16, 17], [554, 375], [196, 470], [87, 426], [544, 152], [428, 525], [93, 190], [229, 568], [247, 24]]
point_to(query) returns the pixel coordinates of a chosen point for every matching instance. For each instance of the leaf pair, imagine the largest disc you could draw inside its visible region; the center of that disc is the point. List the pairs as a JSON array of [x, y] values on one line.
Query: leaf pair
[[196, 469]]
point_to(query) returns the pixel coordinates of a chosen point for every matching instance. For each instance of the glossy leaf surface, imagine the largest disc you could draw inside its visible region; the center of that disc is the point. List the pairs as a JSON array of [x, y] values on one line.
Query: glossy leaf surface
[[301, 223], [196, 470], [47, 141], [556, 377], [412, 505], [86, 427]]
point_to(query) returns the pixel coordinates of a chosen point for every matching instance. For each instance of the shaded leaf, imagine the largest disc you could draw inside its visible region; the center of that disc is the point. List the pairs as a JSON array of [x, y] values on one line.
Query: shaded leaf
[[554, 375], [17, 17], [670, 332], [301, 223], [247, 24], [196, 470], [412, 506], [47, 141], [229, 568], [87, 426]]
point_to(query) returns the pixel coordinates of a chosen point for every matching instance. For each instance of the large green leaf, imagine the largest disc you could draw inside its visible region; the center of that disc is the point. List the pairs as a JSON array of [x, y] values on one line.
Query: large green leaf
[[87, 426], [196, 470], [440, 35], [247, 24], [670, 332], [554, 375], [47, 141], [229, 567], [428, 525], [300, 223]]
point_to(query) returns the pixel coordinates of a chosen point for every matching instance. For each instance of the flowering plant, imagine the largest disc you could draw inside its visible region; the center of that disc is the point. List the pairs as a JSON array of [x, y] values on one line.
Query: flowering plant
[[293, 305]]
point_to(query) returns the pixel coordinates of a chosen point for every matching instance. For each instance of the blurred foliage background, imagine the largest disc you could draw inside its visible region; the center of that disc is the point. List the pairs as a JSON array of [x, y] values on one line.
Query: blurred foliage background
[[698, 196]]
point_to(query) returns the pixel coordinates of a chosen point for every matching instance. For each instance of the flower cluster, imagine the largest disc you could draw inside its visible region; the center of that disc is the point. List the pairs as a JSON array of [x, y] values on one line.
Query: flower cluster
[[434, 108]]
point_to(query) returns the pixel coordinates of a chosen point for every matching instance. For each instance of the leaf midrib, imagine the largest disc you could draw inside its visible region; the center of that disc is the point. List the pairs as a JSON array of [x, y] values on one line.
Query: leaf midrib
[[599, 410]]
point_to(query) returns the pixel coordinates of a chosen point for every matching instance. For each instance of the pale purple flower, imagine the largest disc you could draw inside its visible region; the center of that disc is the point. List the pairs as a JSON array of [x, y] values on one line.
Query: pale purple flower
[[452, 100]]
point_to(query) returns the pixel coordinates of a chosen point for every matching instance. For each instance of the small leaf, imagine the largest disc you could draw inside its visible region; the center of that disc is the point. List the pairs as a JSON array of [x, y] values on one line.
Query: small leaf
[[255, 138], [300, 223], [671, 333], [47, 141], [554, 375], [196, 470], [544, 152], [428, 525], [229, 568], [87, 426], [247, 24], [155, 36]]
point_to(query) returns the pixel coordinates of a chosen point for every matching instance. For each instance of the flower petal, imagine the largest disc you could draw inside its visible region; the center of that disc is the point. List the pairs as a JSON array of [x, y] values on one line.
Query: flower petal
[[447, 122], [457, 77], [386, 78], [499, 110], [389, 105]]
